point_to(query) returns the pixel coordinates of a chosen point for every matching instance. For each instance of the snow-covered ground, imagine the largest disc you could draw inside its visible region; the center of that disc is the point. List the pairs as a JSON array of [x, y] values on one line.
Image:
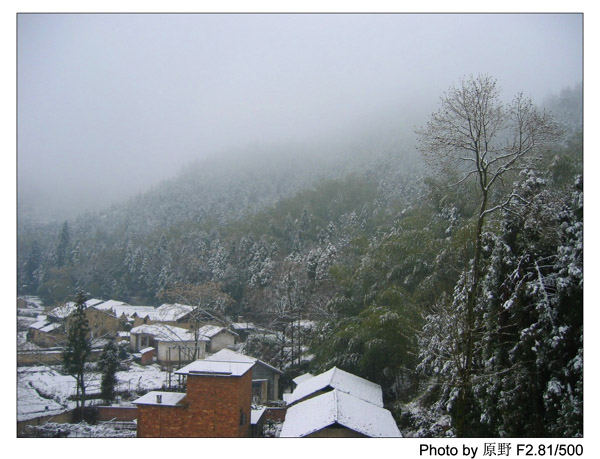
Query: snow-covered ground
[[84, 430], [44, 390]]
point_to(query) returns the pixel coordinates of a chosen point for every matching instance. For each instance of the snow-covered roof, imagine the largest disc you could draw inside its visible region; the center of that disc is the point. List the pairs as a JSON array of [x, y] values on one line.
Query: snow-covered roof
[[215, 368], [226, 355], [129, 310], [168, 312], [93, 302], [167, 398], [146, 349], [211, 330], [333, 407], [243, 326], [50, 327], [63, 311], [256, 414], [44, 325], [342, 381], [162, 332], [298, 379], [39, 324]]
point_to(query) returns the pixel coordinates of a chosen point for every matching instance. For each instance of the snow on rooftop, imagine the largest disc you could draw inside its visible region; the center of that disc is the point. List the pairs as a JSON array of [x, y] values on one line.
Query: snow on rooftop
[[226, 355], [168, 312], [129, 311], [93, 302], [243, 326], [50, 327], [162, 332], [342, 381], [63, 311], [298, 379], [211, 330], [39, 324], [215, 368], [256, 414], [333, 407], [166, 398]]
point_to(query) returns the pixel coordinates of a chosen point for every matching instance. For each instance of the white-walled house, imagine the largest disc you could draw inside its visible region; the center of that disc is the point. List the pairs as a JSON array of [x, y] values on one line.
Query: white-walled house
[[219, 337], [337, 404], [172, 344]]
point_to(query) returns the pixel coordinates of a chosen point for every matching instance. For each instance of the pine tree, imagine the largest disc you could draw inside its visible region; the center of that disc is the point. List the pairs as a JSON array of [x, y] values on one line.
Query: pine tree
[[108, 365], [32, 264], [78, 348], [63, 254]]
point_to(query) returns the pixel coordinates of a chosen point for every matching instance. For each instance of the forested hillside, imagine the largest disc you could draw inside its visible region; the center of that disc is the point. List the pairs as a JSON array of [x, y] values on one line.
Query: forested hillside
[[477, 321]]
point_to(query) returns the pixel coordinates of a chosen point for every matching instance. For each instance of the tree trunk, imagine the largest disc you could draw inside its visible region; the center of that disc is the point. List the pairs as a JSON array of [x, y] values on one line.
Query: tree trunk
[[463, 405]]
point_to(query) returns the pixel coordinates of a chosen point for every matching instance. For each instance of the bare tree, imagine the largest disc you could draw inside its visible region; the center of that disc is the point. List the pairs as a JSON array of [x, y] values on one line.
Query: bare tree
[[209, 301], [475, 133]]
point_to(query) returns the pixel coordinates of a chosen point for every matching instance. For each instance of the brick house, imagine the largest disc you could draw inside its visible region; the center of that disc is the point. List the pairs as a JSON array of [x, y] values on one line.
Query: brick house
[[265, 378], [217, 403]]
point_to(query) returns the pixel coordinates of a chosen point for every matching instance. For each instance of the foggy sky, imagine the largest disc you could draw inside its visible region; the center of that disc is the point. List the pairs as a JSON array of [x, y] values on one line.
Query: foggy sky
[[111, 103]]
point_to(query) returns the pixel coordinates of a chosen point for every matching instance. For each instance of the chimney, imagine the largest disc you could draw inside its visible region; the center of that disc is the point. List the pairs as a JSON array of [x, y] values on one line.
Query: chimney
[[158, 398]]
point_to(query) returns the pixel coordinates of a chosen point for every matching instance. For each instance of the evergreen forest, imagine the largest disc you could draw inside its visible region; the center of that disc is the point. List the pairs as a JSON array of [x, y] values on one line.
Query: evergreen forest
[[455, 285]]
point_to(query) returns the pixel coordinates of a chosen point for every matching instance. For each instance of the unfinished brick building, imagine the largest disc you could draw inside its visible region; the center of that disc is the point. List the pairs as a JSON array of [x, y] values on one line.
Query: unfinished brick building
[[216, 403]]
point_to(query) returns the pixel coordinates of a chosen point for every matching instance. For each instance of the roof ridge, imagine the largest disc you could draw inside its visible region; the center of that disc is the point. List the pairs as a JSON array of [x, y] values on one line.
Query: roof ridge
[[336, 415]]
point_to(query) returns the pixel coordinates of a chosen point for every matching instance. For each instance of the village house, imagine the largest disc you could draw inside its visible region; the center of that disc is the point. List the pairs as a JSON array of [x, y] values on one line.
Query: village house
[[168, 314], [337, 404], [46, 333], [336, 414], [265, 378], [219, 337], [172, 344], [123, 311], [244, 329], [217, 403], [103, 324], [340, 380]]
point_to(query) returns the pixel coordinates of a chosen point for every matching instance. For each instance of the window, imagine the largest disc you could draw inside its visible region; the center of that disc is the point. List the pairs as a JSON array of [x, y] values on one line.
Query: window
[[259, 390]]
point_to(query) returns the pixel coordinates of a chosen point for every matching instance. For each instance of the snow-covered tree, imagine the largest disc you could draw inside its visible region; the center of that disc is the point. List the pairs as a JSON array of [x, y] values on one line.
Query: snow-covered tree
[[78, 348]]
